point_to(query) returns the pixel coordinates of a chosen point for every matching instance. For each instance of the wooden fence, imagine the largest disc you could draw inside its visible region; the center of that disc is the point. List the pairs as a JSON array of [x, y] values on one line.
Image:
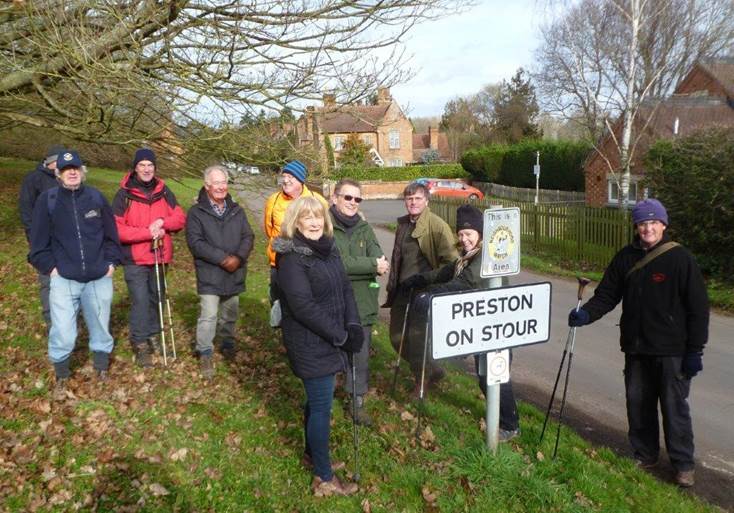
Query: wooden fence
[[584, 237], [521, 194]]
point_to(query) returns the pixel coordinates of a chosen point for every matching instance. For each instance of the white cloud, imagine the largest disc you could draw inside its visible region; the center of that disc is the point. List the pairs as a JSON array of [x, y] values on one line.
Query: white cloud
[[457, 55]]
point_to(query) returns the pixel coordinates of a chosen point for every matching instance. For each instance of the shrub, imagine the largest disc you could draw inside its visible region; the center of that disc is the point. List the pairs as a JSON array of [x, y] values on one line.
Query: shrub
[[694, 178], [394, 174], [561, 164]]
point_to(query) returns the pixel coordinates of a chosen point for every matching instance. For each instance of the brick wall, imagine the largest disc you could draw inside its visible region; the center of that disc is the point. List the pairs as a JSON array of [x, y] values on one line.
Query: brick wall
[[698, 80]]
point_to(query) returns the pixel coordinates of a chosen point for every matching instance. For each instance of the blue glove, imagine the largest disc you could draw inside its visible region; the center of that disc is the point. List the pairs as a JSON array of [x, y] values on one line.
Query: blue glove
[[692, 364], [578, 318]]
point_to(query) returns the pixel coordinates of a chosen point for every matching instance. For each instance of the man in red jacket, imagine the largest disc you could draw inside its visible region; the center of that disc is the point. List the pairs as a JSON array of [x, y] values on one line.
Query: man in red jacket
[[145, 211]]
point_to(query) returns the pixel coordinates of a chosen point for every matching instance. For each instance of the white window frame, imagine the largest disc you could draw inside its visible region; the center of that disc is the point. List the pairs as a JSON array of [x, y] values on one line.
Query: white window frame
[[394, 139], [613, 192], [367, 139], [338, 142], [396, 162]]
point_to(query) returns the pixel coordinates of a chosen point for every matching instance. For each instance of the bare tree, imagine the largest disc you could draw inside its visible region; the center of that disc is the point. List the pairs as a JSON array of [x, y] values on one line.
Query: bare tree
[[602, 59], [133, 71]]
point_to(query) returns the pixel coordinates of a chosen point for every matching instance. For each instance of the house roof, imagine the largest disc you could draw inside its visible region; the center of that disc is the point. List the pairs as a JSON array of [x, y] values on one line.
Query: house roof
[[658, 118], [692, 113], [422, 142], [722, 70], [353, 118]]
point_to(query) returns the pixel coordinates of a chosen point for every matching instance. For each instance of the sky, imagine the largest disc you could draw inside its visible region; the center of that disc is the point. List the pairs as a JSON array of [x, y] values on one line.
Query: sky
[[459, 54]]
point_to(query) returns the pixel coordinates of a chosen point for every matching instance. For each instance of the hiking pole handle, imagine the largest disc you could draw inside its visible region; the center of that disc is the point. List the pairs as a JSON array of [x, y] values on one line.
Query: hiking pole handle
[[583, 282]]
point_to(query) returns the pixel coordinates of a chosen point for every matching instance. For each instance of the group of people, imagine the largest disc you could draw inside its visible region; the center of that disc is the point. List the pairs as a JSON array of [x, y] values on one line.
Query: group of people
[[77, 239], [325, 260]]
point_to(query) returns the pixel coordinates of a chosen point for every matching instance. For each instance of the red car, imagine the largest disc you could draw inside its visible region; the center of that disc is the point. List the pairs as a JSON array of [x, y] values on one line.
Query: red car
[[454, 189]]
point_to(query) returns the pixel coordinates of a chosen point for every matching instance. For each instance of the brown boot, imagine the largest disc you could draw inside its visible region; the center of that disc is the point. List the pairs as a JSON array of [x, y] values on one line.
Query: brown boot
[[685, 478], [143, 357], [334, 487], [59, 393], [206, 366]]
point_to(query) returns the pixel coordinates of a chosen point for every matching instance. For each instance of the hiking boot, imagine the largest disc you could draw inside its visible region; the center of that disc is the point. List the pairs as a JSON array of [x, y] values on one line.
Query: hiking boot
[[360, 416], [206, 366], [154, 344], [59, 393], [228, 350], [505, 435], [334, 487], [143, 357], [103, 375], [685, 478], [437, 374], [644, 464]]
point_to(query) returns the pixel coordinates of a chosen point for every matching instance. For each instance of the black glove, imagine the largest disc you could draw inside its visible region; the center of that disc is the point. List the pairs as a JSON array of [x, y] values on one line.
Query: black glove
[[417, 281], [692, 364], [578, 317], [355, 339]]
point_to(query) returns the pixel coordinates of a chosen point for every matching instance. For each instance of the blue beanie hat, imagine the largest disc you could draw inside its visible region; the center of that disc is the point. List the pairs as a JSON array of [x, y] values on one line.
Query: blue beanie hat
[[297, 169], [143, 154], [649, 210]]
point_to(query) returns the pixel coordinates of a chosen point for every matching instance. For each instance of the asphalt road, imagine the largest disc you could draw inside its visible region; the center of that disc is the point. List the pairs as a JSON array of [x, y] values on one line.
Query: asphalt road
[[595, 404]]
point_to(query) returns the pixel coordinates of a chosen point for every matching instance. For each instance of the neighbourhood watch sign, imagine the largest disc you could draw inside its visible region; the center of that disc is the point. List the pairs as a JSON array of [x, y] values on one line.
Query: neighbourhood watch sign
[[501, 240]]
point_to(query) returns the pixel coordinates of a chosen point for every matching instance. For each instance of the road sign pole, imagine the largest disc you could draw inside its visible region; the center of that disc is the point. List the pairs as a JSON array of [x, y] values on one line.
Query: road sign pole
[[492, 419]]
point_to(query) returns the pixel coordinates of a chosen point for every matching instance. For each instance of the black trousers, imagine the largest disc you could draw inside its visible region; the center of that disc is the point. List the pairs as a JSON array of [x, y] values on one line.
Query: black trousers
[[650, 380]]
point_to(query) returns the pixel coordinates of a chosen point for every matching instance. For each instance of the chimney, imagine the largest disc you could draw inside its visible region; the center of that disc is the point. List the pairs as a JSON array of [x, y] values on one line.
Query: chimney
[[329, 100], [433, 138], [383, 95]]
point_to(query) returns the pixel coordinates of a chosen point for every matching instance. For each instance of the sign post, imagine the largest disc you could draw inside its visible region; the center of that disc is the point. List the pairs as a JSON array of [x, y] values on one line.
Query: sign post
[[536, 172], [486, 321]]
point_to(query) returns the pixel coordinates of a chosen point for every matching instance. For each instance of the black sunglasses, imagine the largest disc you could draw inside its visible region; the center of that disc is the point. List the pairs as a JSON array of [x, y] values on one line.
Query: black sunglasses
[[349, 197]]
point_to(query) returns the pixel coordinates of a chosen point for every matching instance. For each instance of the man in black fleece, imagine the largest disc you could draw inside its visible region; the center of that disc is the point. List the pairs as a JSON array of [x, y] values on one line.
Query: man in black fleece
[[664, 327]]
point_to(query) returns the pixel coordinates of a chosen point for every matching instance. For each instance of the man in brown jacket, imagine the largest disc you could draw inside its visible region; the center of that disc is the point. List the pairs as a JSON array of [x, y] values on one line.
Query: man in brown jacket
[[423, 242]]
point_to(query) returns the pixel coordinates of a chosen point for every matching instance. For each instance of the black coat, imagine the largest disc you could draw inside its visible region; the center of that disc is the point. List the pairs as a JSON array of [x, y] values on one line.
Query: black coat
[[665, 309], [317, 304], [211, 238], [37, 181]]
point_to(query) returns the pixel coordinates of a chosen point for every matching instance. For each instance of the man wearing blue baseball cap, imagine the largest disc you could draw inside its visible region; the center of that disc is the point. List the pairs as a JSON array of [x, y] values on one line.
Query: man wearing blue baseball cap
[[664, 327], [74, 241]]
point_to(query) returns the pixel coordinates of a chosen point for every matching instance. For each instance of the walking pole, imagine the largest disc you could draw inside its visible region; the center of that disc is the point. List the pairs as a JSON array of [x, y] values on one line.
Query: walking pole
[[400, 349], [156, 243], [168, 308], [421, 394], [355, 439], [570, 341]]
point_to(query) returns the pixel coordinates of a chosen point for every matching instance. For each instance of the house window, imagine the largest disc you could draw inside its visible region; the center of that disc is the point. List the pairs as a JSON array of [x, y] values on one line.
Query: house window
[[339, 142], [396, 163], [613, 192], [367, 139], [394, 139]]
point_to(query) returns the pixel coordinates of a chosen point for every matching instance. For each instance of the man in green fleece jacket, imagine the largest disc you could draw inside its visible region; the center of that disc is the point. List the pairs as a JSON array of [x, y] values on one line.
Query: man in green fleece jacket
[[363, 260]]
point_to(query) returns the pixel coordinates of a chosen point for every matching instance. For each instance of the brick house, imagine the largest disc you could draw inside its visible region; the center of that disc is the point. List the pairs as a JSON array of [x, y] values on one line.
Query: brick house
[[704, 98], [383, 126], [433, 140]]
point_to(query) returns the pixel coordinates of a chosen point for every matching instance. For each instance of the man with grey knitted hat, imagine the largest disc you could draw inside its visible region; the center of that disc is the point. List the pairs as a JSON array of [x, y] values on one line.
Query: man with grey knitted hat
[[664, 328], [40, 179]]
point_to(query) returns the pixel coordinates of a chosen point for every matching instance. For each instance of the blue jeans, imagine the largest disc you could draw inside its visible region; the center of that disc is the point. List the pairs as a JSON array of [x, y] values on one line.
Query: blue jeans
[[316, 423], [66, 297]]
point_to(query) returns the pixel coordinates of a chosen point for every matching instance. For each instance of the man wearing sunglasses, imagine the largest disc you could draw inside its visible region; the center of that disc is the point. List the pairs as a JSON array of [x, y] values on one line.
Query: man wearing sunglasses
[[423, 242], [363, 260]]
